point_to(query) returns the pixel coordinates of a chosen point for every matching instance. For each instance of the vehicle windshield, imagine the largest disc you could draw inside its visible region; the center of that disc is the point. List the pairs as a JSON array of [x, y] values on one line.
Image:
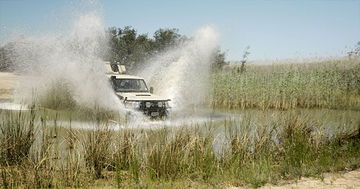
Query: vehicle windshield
[[129, 85]]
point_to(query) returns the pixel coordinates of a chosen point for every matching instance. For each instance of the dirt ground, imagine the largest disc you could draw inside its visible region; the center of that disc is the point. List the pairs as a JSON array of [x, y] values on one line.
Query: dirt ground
[[341, 180], [8, 82], [331, 180]]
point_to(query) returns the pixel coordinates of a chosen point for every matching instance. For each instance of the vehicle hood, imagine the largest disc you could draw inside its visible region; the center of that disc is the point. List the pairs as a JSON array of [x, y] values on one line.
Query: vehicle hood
[[141, 97]]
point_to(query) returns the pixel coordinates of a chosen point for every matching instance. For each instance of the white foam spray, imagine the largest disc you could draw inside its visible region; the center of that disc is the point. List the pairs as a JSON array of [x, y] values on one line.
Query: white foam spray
[[182, 73], [72, 59]]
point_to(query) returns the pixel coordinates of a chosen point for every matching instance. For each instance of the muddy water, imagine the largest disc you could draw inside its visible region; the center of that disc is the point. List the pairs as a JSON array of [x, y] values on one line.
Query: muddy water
[[12, 106], [176, 119], [220, 123], [136, 120], [331, 120]]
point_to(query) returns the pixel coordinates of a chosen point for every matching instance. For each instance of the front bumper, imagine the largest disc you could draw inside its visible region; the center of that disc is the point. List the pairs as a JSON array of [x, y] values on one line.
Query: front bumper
[[150, 108]]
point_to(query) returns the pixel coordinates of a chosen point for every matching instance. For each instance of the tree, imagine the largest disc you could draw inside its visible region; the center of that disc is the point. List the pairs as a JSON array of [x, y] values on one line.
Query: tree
[[131, 49], [165, 38], [127, 47], [355, 52], [244, 59], [219, 60]]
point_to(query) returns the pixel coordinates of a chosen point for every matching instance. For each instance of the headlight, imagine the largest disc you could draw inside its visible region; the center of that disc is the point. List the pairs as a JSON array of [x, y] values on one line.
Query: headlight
[[148, 104], [160, 104]]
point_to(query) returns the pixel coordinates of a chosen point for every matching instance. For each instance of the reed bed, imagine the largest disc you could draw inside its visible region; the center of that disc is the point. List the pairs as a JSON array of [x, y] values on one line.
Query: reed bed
[[256, 150], [331, 84]]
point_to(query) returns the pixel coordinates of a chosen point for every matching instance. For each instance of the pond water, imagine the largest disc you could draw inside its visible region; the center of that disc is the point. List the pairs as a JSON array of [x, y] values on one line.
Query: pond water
[[330, 119]]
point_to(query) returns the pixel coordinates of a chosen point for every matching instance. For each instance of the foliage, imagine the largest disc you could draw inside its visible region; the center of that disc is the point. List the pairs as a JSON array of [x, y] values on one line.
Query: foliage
[[330, 84], [132, 49], [258, 149], [219, 60], [126, 46], [16, 138], [5, 58], [355, 52], [244, 59]]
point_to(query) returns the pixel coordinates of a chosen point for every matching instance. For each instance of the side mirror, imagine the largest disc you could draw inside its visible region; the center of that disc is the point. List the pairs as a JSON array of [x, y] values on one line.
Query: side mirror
[[151, 90]]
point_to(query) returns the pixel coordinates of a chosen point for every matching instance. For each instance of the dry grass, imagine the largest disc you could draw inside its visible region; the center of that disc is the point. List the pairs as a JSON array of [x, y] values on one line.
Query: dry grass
[[331, 84], [255, 151]]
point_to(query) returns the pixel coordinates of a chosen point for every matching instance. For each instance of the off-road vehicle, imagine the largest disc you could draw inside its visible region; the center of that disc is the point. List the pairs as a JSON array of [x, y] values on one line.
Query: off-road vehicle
[[134, 93]]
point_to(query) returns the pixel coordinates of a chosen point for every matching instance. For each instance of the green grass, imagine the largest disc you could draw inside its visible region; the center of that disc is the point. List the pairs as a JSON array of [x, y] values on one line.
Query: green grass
[[331, 84], [263, 147]]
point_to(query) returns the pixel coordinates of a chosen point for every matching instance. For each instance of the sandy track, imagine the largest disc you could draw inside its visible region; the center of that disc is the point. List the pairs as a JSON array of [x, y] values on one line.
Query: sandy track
[[331, 180], [8, 82], [348, 180]]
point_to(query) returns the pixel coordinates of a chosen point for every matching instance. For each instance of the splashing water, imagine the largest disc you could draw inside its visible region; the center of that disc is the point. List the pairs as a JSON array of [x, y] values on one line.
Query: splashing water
[[71, 60], [182, 73], [74, 60]]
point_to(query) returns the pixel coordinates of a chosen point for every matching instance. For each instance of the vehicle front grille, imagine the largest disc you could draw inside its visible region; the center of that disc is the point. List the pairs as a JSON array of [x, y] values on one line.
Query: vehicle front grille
[[153, 105]]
